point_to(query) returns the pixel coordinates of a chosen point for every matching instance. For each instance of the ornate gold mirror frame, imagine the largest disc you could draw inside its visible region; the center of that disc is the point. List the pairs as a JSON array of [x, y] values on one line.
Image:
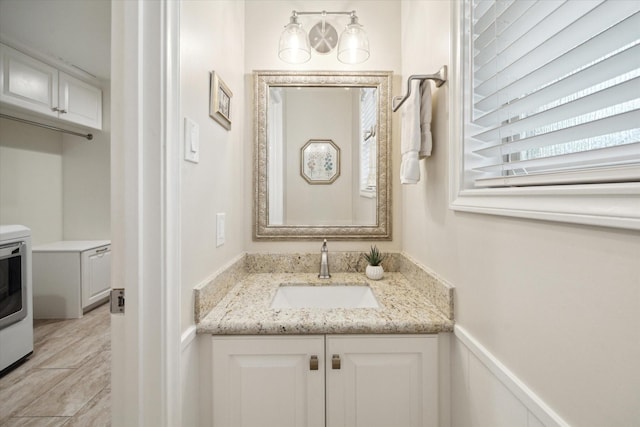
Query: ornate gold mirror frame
[[263, 80]]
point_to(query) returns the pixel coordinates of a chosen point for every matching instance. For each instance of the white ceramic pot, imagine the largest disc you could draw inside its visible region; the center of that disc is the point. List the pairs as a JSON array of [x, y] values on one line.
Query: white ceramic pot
[[374, 272]]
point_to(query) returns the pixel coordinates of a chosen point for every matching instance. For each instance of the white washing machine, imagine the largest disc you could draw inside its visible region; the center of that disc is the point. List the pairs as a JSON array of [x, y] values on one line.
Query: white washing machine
[[16, 296]]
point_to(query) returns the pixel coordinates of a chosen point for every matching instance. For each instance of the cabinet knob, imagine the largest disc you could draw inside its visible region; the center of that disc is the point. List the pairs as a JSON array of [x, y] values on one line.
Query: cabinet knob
[[335, 361], [55, 109], [313, 363], [63, 111]]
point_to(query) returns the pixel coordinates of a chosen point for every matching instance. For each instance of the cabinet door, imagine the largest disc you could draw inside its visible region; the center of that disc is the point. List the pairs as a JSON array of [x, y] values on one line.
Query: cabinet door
[[382, 381], [28, 83], [96, 275], [80, 102], [268, 381]]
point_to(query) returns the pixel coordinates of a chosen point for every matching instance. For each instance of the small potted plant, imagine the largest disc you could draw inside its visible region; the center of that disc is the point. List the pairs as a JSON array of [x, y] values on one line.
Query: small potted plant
[[374, 270]]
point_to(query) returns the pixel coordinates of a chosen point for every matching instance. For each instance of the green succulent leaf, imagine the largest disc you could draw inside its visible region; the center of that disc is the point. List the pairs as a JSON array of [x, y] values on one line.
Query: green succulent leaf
[[374, 257]]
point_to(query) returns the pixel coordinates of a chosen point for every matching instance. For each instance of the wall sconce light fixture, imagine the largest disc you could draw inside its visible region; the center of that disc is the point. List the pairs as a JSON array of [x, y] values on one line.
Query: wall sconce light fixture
[[295, 45]]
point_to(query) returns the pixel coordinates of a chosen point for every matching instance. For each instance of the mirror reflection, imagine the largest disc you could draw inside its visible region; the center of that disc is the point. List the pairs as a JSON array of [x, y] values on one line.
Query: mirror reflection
[[322, 155]]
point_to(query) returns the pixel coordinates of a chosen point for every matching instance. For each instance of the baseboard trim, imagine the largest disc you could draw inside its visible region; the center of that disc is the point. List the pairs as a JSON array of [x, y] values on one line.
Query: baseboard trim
[[187, 337], [519, 389]]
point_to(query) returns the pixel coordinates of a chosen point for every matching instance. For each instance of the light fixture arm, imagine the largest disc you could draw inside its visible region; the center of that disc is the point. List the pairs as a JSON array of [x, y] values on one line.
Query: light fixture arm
[[323, 12], [294, 18]]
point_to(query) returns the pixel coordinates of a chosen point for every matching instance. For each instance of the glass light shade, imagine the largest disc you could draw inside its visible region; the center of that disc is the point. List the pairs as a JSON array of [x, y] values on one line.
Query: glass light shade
[[294, 44], [353, 47]]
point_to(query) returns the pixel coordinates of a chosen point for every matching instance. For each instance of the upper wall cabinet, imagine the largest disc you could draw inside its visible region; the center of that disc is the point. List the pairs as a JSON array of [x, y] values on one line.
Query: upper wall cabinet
[[40, 88], [79, 102]]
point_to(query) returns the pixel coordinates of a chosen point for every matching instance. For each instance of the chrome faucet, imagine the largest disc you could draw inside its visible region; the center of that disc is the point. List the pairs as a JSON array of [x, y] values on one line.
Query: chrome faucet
[[324, 262]]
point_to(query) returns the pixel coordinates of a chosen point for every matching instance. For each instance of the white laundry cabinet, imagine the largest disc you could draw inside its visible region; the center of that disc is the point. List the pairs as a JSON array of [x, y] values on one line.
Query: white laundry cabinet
[[70, 277], [38, 87]]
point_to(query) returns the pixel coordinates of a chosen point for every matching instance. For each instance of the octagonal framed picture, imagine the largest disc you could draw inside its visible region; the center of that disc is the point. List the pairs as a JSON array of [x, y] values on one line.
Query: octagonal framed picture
[[320, 161]]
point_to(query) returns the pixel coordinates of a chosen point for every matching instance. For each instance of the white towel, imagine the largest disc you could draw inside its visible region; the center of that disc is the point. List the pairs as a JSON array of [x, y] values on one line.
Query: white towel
[[416, 132], [425, 120], [410, 139]]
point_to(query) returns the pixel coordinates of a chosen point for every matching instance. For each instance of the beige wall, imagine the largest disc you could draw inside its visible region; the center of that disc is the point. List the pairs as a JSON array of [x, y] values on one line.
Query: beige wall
[[318, 204], [264, 21], [31, 179], [557, 304], [56, 184], [211, 38]]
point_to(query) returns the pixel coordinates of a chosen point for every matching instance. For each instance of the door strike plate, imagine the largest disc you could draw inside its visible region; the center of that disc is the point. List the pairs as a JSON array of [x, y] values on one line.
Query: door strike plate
[[116, 300]]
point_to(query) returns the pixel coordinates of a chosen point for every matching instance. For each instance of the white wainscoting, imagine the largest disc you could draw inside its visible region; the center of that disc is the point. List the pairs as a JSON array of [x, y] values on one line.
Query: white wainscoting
[[486, 394]]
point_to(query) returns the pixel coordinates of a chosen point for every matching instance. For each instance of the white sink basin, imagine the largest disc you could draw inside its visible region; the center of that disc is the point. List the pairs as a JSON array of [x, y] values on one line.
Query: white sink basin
[[324, 296]]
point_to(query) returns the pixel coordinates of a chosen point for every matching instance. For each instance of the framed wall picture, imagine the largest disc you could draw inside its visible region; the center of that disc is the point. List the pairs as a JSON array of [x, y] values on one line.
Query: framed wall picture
[[220, 101], [320, 161]]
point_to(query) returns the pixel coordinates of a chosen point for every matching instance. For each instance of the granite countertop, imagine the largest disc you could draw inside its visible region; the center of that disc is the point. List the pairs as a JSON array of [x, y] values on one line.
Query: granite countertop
[[245, 309]]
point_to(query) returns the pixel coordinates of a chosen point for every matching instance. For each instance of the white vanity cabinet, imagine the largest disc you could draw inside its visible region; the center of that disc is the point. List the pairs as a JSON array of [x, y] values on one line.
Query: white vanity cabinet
[[37, 87], [70, 277], [268, 381], [381, 381], [360, 381]]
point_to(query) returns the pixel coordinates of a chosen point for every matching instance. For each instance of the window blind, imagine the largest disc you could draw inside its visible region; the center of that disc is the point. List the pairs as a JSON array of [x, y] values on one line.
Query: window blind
[[554, 92], [368, 141]]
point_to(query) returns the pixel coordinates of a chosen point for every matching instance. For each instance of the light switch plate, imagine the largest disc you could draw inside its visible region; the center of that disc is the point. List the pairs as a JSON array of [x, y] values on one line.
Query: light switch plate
[[191, 141], [220, 220]]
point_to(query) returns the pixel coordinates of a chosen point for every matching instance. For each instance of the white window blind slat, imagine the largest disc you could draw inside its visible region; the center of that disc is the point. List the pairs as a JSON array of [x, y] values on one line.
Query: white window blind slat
[[613, 95], [485, 44], [611, 156], [615, 65], [593, 48], [540, 34], [610, 125], [481, 7], [595, 175], [515, 62], [485, 14]]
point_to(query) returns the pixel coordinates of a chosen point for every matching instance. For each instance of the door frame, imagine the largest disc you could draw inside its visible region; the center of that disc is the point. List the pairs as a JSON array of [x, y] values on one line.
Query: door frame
[[145, 212]]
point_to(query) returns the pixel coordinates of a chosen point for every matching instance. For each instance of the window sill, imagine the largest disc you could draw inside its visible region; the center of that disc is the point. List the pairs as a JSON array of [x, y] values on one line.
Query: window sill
[[605, 205]]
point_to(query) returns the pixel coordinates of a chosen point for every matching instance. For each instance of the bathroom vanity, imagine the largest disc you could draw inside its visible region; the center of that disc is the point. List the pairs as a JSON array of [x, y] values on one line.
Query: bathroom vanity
[[273, 364], [352, 380]]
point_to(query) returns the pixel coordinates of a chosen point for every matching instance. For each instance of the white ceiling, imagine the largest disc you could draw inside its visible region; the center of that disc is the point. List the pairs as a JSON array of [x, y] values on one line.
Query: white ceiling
[[76, 31]]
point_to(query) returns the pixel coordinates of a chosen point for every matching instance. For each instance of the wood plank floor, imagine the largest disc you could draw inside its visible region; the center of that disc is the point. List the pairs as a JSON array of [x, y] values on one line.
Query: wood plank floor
[[66, 382]]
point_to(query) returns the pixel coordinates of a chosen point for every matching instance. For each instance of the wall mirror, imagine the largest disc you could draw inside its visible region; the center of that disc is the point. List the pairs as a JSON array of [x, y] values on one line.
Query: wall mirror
[[322, 155]]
